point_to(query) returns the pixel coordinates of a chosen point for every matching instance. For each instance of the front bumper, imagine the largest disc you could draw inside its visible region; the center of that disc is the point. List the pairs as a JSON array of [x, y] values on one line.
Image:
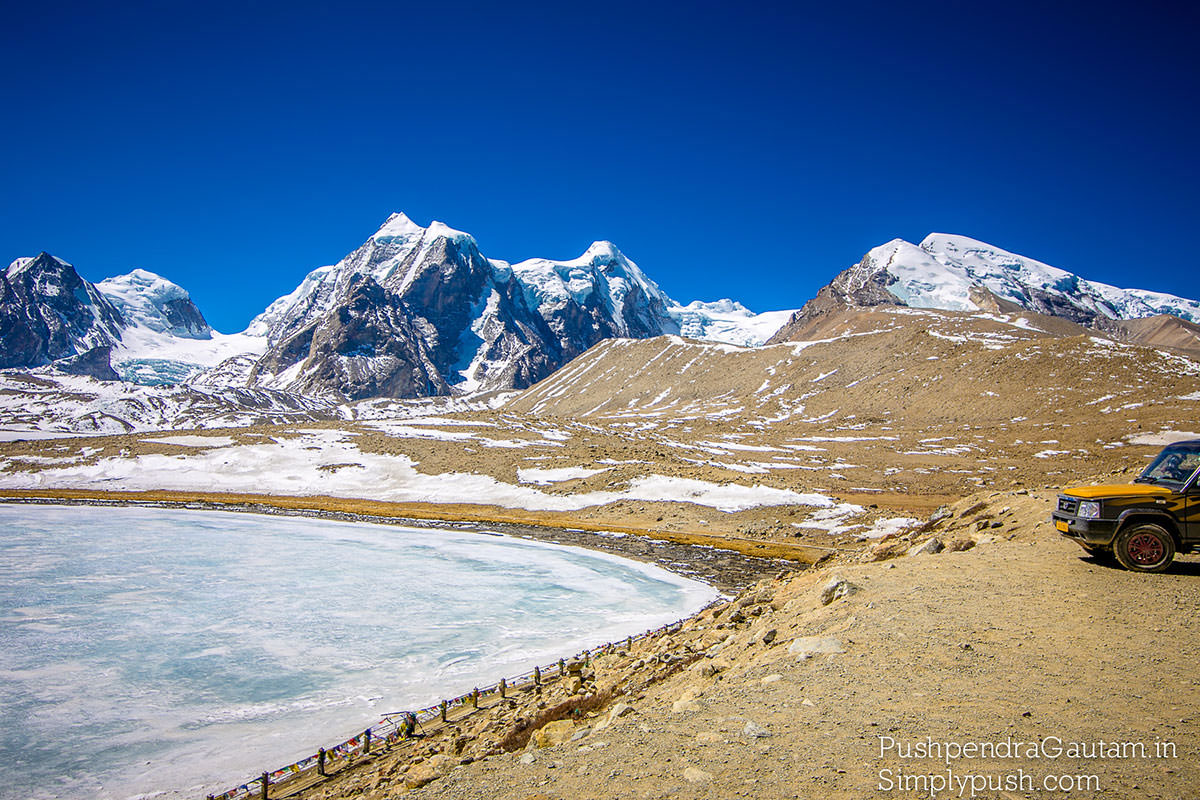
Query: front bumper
[[1092, 532]]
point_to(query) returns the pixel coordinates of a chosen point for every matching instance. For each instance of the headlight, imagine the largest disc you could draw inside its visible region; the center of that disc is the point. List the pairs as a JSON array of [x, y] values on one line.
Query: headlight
[[1089, 509]]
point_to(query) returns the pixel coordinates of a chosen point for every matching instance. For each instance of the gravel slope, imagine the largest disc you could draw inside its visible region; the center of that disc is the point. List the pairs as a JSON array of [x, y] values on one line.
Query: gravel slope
[[1018, 639]]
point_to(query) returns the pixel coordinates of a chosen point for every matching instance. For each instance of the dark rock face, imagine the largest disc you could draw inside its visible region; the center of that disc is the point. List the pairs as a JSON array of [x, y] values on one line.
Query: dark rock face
[[48, 312], [186, 320], [366, 347], [395, 336], [95, 363]]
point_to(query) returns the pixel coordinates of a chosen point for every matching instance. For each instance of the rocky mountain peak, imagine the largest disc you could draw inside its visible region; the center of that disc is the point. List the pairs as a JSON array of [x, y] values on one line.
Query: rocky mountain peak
[[19, 264], [398, 224], [53, 272], [602, 252], [399, 228], [48, 312], [458, 321], [151, 301], [952, 272]]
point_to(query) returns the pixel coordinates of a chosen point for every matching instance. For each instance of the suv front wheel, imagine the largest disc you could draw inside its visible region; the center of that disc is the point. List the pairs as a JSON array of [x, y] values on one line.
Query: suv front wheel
[[1144, 548]]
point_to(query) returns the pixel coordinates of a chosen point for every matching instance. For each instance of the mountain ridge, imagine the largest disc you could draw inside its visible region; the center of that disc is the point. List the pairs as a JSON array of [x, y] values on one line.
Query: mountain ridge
[[420, 311], [141, 324], [951, 272]]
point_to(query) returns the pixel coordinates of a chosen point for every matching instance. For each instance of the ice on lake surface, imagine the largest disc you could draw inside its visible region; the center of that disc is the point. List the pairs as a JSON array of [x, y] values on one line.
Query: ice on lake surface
[[144, 650]]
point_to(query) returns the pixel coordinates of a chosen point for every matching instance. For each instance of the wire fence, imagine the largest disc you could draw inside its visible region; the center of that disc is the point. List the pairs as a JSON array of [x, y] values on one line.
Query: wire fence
[[397, 726]]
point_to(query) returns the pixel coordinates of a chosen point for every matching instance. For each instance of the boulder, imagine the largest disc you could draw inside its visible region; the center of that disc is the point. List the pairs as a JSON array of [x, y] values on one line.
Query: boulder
[[428, 770], [885, 550], [686, 706], [808, 646], [554, 733], [755, 731], [943, 513], [687, 700], [836, 589], [620, 710], [928, 547]]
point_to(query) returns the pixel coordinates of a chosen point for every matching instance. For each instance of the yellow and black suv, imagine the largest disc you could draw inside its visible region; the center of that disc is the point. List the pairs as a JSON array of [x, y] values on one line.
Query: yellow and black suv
[[1145, 523]]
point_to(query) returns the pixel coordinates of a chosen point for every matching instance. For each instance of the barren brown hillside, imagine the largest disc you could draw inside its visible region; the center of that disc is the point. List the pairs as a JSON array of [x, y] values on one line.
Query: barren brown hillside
[[909, 401]]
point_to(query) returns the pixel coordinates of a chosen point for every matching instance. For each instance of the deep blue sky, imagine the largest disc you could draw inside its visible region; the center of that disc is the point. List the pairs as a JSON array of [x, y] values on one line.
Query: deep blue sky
[[749, 150]]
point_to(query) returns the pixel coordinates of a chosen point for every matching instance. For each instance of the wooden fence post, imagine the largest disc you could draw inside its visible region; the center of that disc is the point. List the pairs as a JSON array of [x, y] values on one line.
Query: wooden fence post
[[503, 686], [321, 762], [442, 708], [266, 781]]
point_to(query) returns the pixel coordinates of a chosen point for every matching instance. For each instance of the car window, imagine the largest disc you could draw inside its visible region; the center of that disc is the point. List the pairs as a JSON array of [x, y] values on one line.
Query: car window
[[1173, 465]]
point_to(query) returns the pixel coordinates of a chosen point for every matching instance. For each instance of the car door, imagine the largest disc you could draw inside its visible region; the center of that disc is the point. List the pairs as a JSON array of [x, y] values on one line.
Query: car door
[[1191, 511]]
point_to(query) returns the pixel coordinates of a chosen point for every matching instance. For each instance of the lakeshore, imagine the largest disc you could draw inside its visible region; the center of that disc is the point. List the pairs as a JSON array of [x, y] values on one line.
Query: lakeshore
[[728, 563]]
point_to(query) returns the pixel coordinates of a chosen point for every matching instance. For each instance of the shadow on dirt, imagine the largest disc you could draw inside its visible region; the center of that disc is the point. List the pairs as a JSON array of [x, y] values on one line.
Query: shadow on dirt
[[1190, 566]]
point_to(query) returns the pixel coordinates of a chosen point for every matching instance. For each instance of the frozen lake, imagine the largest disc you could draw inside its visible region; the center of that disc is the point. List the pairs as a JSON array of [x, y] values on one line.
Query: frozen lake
[[144, 650]]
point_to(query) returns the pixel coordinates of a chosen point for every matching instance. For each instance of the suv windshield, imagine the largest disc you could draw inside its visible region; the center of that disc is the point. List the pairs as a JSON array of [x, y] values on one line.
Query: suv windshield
[[1173, 466]]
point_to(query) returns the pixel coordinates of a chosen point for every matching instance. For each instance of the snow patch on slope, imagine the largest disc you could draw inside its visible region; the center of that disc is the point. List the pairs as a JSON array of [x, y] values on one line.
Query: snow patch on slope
[[327, 462]]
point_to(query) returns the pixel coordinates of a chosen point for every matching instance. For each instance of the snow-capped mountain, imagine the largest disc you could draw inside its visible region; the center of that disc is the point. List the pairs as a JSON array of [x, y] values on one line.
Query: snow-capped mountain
[[420, 311], [414, 312], [48, 312], [147, 325], [148, 301], [166, 339], [410, 313], [603, 280], [957, 273]]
